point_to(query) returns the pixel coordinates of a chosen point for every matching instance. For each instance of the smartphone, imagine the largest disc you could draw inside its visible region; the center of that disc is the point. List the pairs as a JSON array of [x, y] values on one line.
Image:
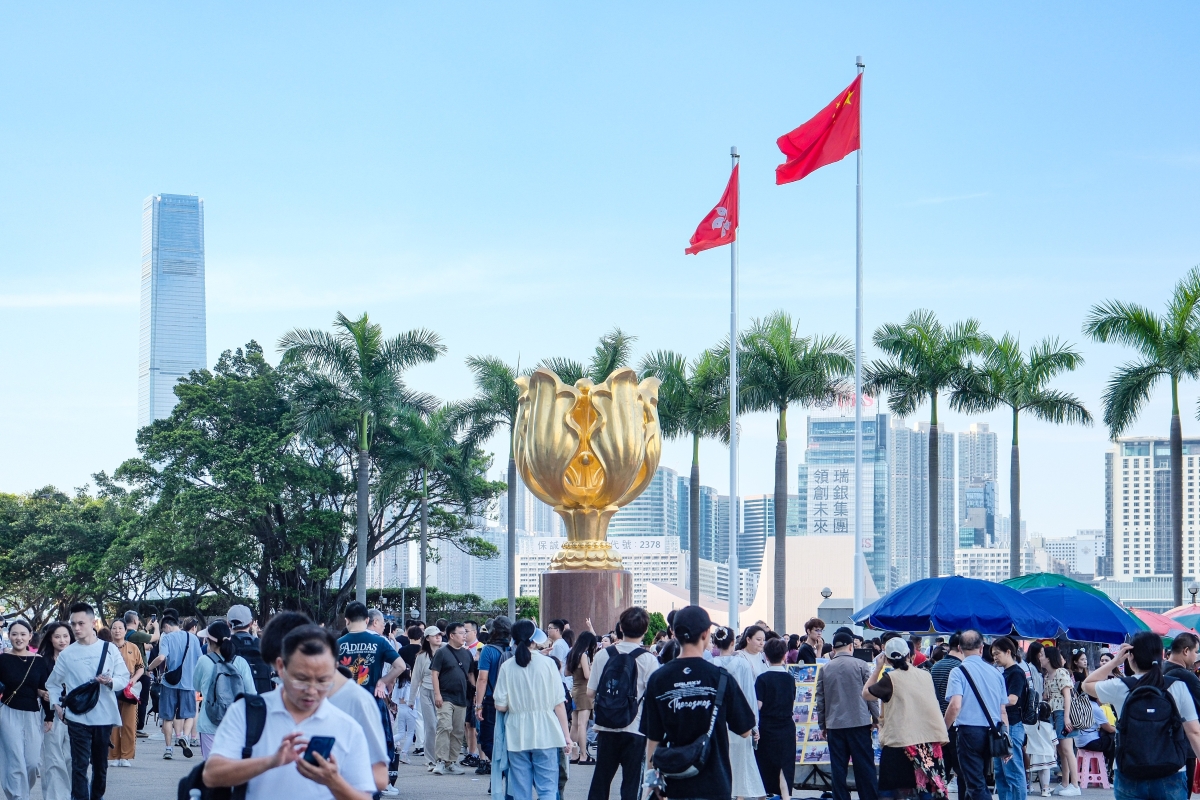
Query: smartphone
[[319, 744]]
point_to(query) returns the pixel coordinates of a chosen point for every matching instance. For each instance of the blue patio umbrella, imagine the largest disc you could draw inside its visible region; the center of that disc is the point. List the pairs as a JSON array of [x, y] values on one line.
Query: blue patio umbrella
[[1086, 617], [945, 605]]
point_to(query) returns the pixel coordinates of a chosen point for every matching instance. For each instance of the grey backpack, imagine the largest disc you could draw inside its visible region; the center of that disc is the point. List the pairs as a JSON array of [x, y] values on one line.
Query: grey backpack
[[226, 687]]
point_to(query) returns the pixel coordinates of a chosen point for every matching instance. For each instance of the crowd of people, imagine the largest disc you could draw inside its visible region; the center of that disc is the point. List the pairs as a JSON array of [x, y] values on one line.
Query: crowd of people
[[294, 711]]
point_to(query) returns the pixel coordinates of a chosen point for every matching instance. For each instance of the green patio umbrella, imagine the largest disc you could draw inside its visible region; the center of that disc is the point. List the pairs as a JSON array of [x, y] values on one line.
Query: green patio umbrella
[[1040, 580]]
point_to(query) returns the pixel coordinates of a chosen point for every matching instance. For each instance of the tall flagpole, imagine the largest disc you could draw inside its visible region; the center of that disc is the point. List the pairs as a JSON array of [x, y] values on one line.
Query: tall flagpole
[[858, 332], [735, 585]]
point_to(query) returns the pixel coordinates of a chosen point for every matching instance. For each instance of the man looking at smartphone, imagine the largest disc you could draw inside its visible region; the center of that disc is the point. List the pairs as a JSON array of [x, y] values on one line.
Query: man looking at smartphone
[[296, 713]]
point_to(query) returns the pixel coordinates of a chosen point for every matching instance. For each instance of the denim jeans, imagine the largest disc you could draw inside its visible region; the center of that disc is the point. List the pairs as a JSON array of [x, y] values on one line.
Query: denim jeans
[[530, 769], [1010, 775], [1172, 787]]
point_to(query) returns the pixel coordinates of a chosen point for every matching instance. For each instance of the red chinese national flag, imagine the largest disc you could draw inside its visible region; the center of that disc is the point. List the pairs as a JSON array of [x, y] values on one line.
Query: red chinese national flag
[[720, 226], [828, 137]]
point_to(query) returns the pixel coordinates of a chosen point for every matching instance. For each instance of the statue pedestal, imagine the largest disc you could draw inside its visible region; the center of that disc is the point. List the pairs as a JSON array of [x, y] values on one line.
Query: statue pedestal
[[579, 594]]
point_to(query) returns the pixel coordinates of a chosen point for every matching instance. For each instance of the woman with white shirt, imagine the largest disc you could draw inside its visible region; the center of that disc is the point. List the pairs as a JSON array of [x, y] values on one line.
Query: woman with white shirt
[[529, 692], [747, 782], [56, 743], [422, 681], [220, 651]]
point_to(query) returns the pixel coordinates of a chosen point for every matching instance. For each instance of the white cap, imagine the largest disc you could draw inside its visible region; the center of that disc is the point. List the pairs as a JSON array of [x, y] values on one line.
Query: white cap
[[432, 630], [896, 648]]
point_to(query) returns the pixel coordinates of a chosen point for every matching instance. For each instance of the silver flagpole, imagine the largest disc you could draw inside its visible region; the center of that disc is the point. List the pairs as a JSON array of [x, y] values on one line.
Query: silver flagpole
[[735, 585], [858, 350]]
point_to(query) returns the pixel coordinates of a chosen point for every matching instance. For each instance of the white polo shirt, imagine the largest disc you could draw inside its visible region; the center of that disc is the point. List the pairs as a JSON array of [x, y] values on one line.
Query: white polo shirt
[[350, 749]]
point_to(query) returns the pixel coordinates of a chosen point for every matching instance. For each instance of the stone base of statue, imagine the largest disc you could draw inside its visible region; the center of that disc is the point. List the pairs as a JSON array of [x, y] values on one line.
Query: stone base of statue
[[577, 595]]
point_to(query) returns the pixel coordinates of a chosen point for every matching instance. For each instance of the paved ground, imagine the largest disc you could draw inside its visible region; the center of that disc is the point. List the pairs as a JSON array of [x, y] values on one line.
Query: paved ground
[[152, 778]]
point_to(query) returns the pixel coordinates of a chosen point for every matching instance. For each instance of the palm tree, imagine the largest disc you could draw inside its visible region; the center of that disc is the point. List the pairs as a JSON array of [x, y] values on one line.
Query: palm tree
[[1008, 377], [352, 382], [1169, 346], [923, 359], [693, 400], [495, 406], [614, 350], [780, 368]]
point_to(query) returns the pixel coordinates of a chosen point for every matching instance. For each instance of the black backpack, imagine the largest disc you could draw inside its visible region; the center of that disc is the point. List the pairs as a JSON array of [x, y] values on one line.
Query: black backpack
[[256, 720], [616, 703], [1030, 702], [246, 646], [505, 654], [1150, 741]]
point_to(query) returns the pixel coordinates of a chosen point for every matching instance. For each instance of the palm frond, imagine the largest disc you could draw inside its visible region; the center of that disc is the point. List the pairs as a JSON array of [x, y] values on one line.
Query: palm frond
[[1127, 391], [568, 370], [615, 350], [1058, 407]]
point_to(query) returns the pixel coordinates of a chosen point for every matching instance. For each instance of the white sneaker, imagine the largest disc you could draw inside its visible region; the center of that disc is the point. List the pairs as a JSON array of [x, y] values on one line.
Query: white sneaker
[[437, 770], [1070, 791], [390, 791], [403, 759], [124, 762], [454, 769]]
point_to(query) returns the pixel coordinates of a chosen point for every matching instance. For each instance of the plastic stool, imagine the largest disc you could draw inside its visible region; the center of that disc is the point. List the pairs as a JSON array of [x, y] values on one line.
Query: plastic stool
[[1092, 770]]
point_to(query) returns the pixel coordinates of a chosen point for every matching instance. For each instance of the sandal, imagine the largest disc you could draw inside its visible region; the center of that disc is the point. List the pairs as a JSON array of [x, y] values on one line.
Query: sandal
[[587, 761]]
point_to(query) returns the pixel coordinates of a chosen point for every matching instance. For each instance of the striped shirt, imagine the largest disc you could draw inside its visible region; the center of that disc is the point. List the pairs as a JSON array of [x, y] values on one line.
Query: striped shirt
[[941, 676]]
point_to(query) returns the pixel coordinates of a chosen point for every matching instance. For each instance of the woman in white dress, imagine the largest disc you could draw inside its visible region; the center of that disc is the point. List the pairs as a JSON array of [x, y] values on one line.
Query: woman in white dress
[[1041, 745], [56, 744], [746, 780]]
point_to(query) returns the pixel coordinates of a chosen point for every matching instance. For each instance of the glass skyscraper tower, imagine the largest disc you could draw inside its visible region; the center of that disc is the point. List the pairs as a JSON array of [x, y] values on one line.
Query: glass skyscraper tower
[[172, 334]]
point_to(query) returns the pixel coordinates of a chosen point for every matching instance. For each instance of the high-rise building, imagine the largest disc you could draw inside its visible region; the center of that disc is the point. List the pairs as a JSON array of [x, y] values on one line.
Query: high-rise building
[[1105, 563], [977, 459], [908, 527], [758, 527], [532, 515], [721, 537], [714, 541], [827, 491], [457, 572], [655, 512], [651, 559], [1139, 469], [1081, 552], [978, 525], [171, 338], [714, 582]]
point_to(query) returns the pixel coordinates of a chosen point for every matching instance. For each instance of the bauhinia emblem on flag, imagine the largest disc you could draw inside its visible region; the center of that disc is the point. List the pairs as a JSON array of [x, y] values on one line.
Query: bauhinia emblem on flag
[[830, 136], [720, 226]]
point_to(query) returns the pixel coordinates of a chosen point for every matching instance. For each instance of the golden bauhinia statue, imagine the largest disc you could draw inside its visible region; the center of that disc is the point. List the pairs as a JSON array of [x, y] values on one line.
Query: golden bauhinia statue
[[587, 450]]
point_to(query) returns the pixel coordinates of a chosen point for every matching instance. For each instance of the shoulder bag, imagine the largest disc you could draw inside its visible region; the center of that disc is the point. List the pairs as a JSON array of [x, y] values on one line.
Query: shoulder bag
[[173, 677], [998, 741], [83, 698], [686, 761]]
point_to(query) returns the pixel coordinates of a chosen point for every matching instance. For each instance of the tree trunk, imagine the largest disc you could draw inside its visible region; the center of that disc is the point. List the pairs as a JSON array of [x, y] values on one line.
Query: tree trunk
[[512, 535], [364, 509], [780, 537], [1176, 508], [934, 486], [694, 525], [1014, 499], [424, 539]]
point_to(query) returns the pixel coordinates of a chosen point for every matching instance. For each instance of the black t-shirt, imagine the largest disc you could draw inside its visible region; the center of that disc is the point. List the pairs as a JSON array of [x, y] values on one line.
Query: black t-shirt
[[409, 653], [22, 677], [453, 666], [807, 655], [1015, 683], [678, 708]]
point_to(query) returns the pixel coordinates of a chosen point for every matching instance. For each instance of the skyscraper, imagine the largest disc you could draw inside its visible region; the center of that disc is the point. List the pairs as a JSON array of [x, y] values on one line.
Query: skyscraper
[[171, 341], [532, 515], [758, 527], [827, 491], [655, 512], [908, 527], [1140, 469], [977, 459]]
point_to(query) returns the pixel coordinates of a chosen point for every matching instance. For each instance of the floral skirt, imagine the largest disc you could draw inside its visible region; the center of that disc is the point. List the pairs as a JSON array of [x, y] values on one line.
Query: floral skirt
[[912, 771]]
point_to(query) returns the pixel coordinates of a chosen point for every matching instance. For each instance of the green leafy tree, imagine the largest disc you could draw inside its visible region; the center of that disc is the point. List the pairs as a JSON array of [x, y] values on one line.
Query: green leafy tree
[[1168, 346], [353, 380], [494, 407], [924, 358], [693, 401], [657, 623], [780, 368], [1008, 377]]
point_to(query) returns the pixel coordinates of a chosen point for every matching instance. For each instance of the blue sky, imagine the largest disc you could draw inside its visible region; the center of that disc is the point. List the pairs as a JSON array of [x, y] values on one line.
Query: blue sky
[[523, 178]]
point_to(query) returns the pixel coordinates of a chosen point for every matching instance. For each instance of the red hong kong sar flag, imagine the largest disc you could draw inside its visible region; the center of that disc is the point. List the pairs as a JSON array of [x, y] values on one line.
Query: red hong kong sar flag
[[828, 137], [720, 226]]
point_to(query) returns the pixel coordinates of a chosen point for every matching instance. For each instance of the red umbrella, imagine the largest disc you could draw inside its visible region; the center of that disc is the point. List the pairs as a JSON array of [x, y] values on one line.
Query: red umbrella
[[1160, 623]]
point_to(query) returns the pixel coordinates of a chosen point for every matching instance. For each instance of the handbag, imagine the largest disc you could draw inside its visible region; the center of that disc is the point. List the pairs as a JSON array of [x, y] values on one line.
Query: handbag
[[998, 742], [83, 698], [174, 676], [1080, 714], [686, 761]]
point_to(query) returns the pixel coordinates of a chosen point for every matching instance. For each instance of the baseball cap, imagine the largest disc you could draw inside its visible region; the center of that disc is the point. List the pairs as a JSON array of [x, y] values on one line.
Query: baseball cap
[[433, 630], [896, 648], [690, 624], [239, 616], [842, 639]]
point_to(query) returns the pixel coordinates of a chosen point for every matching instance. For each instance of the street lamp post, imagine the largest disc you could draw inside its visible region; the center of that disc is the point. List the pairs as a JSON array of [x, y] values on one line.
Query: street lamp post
[[1193, 588]]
